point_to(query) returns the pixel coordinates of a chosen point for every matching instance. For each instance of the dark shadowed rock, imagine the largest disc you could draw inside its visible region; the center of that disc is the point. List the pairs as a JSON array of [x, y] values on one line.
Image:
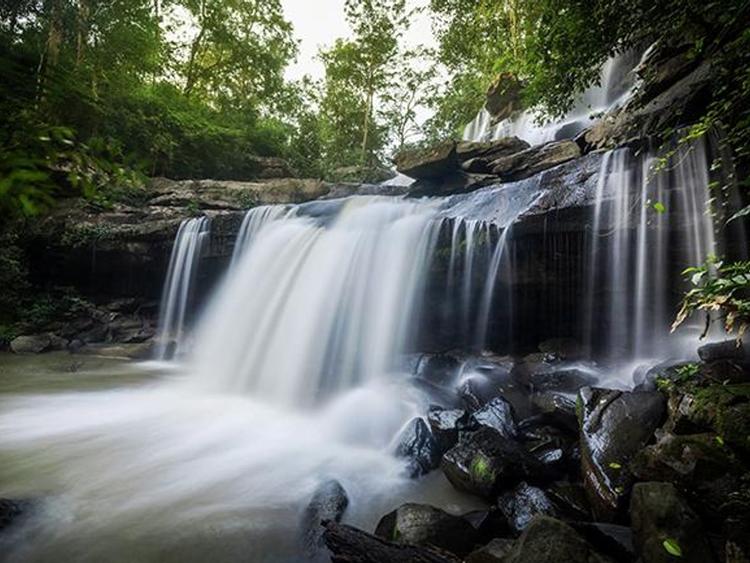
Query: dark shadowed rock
[[417, 445], [663, 522], [428, 163], [616, 541], [424, 525], [494, 552], [11, 511], [521, 504], [725, 350], [698, 464], [534, 160], [456, 182], [557, 406], [547, 540], [569, 499], [547, 441], [485, 460], [489, 524], [497, 414], [445, 424], [563, 348], [329, 502], [350, 545], [615, 426]]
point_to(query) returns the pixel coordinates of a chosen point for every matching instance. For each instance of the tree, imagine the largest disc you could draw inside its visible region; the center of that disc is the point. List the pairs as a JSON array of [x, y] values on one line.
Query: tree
[[237, 52]]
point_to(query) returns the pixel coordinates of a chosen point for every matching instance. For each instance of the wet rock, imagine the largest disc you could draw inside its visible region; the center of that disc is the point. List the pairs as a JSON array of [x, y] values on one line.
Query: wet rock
[[497, 414], [557, 406], [494, 552], [11, 511], [616, 541], [662, 66], [569, 499], [547, 442], [424, 525], [329, 502], [645, 377], [428, 163], [563, 348], [521, 504], [615, 426], [726, 350], [737, 531], [720, 408], [478, 156], [455, 182], [475, 392], [663, 522], [534, 160], [727, 371], [439, 369], [489, 524], [417, 445], [544, 373], [547, 540], [680, 103], [444, 424], [699, 464], [484, 460], [350, 545], [31, 344]]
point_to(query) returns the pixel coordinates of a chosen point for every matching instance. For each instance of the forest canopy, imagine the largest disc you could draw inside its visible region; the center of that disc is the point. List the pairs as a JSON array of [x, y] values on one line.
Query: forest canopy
[[97, 94]]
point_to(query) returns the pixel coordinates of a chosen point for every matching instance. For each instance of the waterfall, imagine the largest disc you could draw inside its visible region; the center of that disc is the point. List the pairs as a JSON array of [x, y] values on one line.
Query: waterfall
[[253, 221], [311, 309], [615, 85], [179, 286], [649, 222]]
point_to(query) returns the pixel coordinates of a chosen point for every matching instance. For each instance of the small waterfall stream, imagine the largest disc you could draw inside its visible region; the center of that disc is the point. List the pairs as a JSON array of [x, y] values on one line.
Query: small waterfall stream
[[651, 219], [178, 288], [615, 86]]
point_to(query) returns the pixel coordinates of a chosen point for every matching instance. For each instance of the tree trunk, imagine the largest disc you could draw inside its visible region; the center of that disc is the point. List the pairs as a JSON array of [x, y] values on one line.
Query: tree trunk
[[194, 49], [368, 111]]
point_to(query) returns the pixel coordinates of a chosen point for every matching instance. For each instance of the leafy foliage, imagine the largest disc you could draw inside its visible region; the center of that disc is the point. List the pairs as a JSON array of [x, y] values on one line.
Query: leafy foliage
[[95, 92], [722, 289], [556, 48]]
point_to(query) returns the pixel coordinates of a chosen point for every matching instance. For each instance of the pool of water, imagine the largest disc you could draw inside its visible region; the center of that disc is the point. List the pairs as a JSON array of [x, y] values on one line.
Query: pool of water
[[124, 461]]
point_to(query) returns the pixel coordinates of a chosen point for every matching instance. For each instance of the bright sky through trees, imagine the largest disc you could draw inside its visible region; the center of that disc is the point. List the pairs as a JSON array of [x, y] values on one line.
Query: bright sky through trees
[[317, 23]]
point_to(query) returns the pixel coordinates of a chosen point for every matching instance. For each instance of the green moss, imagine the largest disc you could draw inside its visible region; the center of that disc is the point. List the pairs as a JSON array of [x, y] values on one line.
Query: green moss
[[85, 234], [481, 469]]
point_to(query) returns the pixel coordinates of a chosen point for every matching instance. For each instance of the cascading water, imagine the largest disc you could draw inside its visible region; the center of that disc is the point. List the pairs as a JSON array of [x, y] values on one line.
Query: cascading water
[[313, 310], [615, 84], [177, 294], [252, 223], [652, 218]]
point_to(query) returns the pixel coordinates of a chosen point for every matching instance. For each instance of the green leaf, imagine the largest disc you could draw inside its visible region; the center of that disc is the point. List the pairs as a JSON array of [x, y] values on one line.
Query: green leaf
[[659, 207], [672, 547], [720, 440], [615, 465]]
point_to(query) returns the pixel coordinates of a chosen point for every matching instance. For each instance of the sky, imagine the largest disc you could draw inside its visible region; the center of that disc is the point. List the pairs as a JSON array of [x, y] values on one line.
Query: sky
[[317, 23]]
